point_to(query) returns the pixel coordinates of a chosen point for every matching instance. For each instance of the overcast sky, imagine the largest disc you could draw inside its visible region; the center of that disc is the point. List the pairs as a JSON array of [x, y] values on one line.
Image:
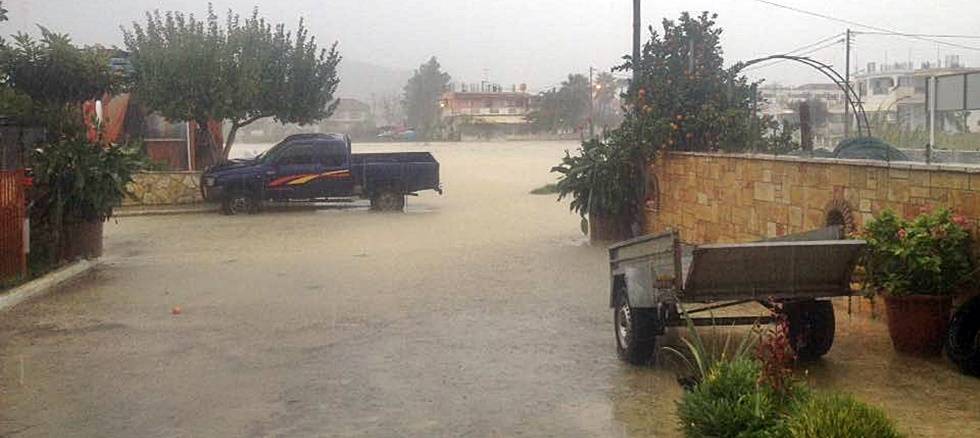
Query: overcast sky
[[540, 41]]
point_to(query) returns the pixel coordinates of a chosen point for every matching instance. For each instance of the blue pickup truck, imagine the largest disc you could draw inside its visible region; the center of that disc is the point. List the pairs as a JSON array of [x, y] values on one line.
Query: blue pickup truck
[[319, 167]]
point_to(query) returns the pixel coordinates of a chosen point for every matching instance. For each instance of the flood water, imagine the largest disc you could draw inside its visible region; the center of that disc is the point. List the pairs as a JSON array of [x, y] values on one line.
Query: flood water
[[482, 312]]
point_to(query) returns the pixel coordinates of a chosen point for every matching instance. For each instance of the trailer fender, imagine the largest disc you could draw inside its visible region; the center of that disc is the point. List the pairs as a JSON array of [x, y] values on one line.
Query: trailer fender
[[640, 287]]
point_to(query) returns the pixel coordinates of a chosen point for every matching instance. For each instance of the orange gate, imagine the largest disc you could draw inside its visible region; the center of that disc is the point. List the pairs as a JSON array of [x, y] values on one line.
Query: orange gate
[[13, 232]]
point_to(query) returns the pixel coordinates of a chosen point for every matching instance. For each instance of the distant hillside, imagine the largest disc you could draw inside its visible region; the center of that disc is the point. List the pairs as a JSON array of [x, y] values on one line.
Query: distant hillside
[[359, 80]]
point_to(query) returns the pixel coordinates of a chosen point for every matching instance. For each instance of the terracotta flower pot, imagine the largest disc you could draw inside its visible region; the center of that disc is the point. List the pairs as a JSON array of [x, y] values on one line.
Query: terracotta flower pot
[[81, 240], [917, 323]]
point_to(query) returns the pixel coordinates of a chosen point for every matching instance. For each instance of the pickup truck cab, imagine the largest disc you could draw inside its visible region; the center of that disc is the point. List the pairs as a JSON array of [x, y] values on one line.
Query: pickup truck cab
[[319, 167]]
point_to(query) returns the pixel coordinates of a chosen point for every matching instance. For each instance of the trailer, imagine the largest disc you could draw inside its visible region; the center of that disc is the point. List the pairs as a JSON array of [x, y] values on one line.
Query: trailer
[[657, 281]]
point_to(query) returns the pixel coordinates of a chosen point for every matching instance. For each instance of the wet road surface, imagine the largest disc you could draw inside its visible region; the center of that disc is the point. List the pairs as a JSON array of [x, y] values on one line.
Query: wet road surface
[[481, 312]]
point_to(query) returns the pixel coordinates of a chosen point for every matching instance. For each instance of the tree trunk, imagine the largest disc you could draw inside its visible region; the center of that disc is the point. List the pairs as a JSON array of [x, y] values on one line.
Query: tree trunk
[[230, 141], [233, 132], [207, 144]]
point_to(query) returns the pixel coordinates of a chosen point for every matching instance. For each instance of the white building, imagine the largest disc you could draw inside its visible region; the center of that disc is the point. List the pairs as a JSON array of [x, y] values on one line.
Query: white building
[[896, 93]]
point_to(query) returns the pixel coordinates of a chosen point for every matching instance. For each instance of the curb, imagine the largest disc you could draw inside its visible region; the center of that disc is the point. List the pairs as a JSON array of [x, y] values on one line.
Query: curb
[[165, 212], [45, 284]]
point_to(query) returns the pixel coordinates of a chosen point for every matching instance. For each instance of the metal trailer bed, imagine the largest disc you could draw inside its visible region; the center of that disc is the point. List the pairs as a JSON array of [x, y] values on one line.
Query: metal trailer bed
[[652, 278]]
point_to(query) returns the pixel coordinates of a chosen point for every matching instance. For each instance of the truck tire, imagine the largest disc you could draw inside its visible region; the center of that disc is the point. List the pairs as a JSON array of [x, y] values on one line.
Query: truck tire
[[388, 200], [635, 330], [238, 204], [963, 339], [811, 327]]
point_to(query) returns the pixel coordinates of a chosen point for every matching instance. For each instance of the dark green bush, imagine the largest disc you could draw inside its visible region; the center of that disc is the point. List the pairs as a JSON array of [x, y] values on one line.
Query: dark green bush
[[730, 402], [837, 415]]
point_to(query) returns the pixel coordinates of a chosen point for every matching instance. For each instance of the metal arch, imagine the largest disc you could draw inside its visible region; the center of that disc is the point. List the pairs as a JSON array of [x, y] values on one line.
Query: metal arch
[[833, 75]]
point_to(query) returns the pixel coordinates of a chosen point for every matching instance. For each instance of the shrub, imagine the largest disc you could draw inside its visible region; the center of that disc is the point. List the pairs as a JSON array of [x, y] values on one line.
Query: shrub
[[601, 178], [927, 255], [700, 355], [730, 402], [836, 415]]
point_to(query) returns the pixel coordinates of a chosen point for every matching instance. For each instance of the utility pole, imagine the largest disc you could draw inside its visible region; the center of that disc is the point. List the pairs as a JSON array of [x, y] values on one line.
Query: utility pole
[[639, 222], [591, 105], [847, 81], [636, 41]]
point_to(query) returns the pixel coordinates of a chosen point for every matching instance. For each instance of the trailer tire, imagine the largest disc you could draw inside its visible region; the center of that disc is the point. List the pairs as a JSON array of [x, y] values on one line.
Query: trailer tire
[[635, 331], [811, 327], [963, 339], [388, 200]]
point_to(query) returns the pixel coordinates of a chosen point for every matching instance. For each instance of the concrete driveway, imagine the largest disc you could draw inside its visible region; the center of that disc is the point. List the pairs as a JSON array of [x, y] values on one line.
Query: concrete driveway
[[480, 312]]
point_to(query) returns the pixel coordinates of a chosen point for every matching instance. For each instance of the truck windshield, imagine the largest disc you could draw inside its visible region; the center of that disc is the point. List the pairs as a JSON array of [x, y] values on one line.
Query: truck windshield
[[271, 152]]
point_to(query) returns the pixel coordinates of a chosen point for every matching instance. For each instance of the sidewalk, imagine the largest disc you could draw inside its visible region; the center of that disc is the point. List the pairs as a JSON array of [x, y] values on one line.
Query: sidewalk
[[155, 210]]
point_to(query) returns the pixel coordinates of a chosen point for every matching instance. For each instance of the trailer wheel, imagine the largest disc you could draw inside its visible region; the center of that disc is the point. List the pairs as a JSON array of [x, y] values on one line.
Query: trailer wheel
[[388, 200], [636, 331], [238, 204], [811, 327], [963, 339]]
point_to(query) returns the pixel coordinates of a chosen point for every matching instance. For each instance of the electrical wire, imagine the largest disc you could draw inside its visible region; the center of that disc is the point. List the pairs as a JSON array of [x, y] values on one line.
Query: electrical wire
[[866, 26], [805, 53], [923, 35]]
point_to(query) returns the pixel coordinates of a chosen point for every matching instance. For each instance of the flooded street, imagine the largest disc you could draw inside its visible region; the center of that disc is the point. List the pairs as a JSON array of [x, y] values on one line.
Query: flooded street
[[479, 312]]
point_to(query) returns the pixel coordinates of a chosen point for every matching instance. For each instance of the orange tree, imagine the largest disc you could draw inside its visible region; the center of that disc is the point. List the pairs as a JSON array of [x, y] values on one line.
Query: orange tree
[[685, 99]]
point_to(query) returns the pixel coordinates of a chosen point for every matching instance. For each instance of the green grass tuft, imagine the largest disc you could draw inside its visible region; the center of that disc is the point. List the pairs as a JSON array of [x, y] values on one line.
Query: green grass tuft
[[547, 189]]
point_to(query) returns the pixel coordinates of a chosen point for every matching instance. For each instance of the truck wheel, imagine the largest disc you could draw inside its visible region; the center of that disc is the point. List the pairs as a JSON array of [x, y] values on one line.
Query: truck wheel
[[388, 200], [963, 339], [238, 204], [636, 331], [811, 327]]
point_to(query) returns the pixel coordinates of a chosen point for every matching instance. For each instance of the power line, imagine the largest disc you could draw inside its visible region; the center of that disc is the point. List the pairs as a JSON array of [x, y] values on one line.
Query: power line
[[808, 52], [923, 35], [866, 26]]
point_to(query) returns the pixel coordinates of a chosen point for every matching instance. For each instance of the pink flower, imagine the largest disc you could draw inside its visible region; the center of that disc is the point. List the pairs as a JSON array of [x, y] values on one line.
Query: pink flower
[[960, 220], [902, 233]]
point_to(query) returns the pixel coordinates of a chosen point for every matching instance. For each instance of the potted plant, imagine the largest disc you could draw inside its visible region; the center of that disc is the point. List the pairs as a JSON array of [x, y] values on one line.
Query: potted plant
[[603, 181], [918, 265], [77, 184]]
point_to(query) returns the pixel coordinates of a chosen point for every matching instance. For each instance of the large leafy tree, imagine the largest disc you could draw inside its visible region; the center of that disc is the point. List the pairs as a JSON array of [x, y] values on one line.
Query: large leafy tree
[[563, 109], [421, 97], [608, 108], [241, 71], [686, 99]]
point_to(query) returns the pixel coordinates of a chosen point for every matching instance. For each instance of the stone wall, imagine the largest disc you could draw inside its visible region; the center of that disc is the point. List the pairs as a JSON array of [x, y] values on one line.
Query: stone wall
[[164, 188], [737, 198], [713, 198]]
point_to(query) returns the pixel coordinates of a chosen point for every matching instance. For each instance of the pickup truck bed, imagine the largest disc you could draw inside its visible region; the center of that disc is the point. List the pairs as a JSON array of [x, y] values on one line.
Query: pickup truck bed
[[407, 171]]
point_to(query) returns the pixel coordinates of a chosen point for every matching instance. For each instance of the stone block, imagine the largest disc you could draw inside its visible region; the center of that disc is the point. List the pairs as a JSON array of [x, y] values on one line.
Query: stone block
[[975, 182], [898, 173], [918, 192], [865, 205], [838, 175], [919, 178], [898, 192], [795, 218], [949, 180], [763, 191], [817, 197], [814, 218]]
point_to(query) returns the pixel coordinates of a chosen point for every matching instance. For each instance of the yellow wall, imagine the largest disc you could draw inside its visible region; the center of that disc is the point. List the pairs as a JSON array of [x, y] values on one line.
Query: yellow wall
[[737, 198]]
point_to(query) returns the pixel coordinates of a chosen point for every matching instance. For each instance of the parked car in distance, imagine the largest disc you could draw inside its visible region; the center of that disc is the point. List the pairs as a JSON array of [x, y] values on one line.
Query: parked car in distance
[[319, 168]]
